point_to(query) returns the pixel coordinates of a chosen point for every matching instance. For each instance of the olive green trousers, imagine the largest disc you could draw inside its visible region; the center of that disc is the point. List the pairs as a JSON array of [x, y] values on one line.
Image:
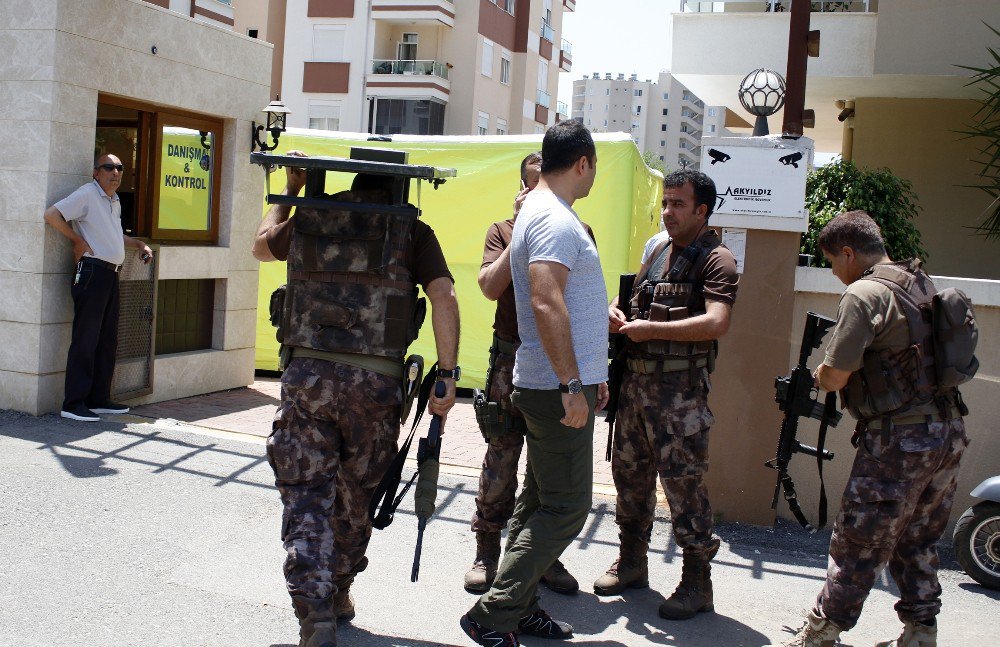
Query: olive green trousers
[[551, 509]]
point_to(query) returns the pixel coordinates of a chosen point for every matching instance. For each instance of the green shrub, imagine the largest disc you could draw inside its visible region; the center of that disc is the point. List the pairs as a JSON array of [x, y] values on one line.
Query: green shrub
[[889, 200]]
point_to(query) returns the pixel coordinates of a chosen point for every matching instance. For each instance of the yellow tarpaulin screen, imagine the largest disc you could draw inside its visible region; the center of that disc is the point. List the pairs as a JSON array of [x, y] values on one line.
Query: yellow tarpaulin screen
[[623, 210]]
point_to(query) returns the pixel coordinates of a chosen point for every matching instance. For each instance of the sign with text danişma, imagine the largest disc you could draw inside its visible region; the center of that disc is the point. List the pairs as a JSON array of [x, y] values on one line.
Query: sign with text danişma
[[185, 179], [762, 180]]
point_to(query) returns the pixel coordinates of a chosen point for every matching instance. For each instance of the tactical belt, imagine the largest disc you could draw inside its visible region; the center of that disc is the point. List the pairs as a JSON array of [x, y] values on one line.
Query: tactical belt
[[650, 366], [505, 347], [382, 365], [348, 277], [915, 418]]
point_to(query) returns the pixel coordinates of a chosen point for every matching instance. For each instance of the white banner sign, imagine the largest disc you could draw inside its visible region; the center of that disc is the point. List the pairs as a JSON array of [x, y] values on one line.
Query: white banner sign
[[758, 180]]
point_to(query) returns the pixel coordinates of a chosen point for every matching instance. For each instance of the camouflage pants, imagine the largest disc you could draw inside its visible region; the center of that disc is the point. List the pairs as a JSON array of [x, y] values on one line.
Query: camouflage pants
[[498, 479], [662, 430], [333, 438], [895, 508]]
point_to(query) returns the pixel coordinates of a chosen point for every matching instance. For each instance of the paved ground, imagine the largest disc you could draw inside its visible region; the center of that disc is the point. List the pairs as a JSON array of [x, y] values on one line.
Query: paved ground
[[250, 411], [157, 533]]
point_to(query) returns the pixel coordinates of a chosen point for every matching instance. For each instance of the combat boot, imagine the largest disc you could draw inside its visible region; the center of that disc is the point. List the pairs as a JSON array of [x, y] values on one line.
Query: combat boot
[[915, 634], [694, 593], [816, 632], [343, 605], [480, 577], [630, 570], [317, 623], [558, 579]]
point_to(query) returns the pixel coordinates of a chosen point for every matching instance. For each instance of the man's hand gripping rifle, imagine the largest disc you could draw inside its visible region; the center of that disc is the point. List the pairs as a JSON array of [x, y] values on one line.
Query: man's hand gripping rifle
[[797, 396]]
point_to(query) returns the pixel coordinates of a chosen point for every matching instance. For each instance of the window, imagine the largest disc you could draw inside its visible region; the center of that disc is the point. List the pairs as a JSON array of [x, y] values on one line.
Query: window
[[506, 5], [605, 107], [607, 92], [406, 49], [712, 112], [638, 110], [543, 74], [539, 130], [711, 128], [638, 93], [328, 42], [409, 116], [483, 126], [665, 112], [665, 96], [487, 66], [663, 143], [684, 128], [590, 91], [324, 116], [663, 127], [684, 144], [662, 159], [590, 106], [252, 33], [505, 68]]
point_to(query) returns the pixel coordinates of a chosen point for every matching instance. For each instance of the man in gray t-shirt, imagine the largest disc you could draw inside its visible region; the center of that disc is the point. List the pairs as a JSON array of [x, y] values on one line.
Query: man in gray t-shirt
[[560, 374], [98, 250]]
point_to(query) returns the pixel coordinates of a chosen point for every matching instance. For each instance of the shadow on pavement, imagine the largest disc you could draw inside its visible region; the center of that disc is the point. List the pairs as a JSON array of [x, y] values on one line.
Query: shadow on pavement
[[636, 610], [972, 587]]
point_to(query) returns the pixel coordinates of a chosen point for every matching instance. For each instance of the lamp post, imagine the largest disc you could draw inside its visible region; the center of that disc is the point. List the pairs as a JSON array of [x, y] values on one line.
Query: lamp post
[[762, 94], [276, 114]]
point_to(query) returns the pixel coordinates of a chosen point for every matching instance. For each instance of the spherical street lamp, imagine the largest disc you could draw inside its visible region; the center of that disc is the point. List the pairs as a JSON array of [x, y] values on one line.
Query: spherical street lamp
[[762, 93]]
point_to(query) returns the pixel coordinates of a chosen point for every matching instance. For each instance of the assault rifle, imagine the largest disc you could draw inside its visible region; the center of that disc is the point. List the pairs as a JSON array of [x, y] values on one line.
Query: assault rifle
[[428, 468], [797, 396], [617, 355]]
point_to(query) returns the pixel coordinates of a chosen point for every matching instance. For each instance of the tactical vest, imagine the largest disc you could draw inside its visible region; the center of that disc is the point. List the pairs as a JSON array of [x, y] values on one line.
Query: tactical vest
[[673, 297], [349, 288], [889, 382]]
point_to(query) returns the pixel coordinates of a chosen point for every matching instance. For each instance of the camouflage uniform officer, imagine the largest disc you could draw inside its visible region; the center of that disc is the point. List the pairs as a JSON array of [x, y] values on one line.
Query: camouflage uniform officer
[[663, 415], [337, 424], [498, 479], [910, 439]]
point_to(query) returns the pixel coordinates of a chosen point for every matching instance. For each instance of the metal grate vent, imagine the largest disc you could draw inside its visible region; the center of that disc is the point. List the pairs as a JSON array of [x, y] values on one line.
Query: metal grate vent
[[136, 327]]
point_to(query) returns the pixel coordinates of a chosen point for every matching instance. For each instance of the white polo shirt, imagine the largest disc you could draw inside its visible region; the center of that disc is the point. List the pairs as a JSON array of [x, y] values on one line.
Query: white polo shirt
[[97, 219]]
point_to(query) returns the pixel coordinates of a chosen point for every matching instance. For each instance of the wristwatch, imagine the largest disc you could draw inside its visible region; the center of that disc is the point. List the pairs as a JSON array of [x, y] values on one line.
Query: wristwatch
[[454, 373], [575, 386]]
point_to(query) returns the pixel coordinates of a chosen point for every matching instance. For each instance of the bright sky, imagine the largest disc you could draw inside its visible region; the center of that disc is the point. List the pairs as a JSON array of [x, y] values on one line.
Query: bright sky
[[626, 36]]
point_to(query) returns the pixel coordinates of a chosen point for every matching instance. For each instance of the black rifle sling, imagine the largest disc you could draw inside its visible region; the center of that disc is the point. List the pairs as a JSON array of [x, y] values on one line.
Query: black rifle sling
[[829, 407], [385, 496], [792, 499]]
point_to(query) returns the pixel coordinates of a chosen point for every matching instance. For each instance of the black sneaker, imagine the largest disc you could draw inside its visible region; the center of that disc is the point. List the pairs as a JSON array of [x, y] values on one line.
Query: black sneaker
[[487, 637], [110, 407], [541, 625], [80, 412]]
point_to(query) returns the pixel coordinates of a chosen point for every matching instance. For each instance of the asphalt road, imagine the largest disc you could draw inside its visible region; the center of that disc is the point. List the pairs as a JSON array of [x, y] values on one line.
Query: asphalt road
[[123, 533]]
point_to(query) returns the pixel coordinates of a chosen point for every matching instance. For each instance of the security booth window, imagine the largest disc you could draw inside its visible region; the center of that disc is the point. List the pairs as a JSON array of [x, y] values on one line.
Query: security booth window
[[185, 192], [171, 183]]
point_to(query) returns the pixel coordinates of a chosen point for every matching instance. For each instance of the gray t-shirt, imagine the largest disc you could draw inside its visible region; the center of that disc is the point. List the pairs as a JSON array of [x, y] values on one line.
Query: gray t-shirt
[[547, 229], [97, 218]]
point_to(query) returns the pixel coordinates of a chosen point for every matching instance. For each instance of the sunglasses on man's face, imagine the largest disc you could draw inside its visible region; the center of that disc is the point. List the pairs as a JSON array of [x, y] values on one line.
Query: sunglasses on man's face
[[111, 167]]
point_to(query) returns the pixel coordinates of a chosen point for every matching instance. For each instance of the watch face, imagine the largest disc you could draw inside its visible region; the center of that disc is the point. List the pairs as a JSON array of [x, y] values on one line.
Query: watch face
[[575, 386]]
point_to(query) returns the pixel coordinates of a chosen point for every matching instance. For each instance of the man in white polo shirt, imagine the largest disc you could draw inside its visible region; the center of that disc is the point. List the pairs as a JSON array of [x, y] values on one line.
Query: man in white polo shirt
[[99, 250]]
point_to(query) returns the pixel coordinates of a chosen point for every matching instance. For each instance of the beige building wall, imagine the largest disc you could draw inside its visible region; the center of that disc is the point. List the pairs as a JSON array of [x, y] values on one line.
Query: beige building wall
[[918, 140], [58, 56], [268, 18], [819, 291]]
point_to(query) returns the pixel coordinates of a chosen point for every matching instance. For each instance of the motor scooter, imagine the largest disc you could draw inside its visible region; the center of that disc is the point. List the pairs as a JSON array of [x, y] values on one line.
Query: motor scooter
[[977, 535]]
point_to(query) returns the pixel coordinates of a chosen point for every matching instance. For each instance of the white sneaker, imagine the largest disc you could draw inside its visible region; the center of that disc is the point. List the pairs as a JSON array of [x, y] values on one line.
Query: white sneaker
[[80, 413]]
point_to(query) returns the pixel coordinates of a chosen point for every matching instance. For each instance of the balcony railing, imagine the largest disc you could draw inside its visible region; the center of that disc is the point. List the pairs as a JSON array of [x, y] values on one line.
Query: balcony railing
[[427, 68], [825, 6], [547, 31], [543, 99], [567, 47], [562, 108]]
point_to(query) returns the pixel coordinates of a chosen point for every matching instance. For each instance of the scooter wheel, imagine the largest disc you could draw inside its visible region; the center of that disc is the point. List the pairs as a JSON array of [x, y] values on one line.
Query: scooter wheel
[[977, 543]]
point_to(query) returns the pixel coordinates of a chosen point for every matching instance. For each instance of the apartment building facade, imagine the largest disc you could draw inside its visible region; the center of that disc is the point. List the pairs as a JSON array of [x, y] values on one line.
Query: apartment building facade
[[442, 67], [663, 117]]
